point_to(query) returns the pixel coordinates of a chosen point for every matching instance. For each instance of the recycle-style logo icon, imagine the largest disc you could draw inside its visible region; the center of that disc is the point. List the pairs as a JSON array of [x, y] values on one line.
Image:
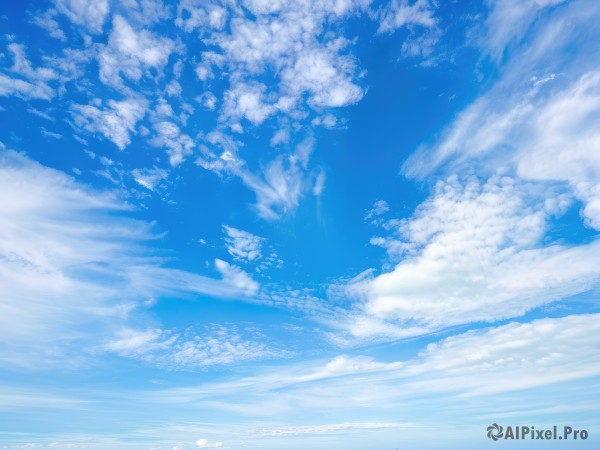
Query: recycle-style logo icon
[[495, 431]]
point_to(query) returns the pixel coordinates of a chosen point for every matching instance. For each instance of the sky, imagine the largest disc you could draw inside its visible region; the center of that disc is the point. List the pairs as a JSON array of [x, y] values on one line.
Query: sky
[[275, 224]]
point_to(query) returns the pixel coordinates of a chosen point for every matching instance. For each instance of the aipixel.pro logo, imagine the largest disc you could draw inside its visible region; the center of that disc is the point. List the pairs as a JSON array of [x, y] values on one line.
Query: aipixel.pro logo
[[520, 432]]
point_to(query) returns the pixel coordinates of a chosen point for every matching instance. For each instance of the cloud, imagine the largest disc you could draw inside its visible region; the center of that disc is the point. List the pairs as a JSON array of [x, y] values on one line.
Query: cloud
[[42, 114], [131, 52], [23, 89], [204, 443], [50, 134], [508, 22], [286, 45], [217, 345], [90, 14], [243, 246], [149, 178], [379, 208], [178, 144], [116, 121], [563, 131], [400, 13], [73, 265], [538, 127], [237, 277], [246, 101], [470, 253], [47, 21], [36, 83], [327, 428], [480, 365], [532, 136], [280, 185], [539, 75]]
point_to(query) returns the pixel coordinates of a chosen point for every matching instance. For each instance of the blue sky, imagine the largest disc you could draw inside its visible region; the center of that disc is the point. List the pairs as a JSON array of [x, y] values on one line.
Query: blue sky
[[343, 224]]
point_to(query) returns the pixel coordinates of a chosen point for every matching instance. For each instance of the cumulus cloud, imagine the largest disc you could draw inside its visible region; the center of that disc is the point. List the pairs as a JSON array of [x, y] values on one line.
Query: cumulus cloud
[[47, 21], [534, 126], [242, 245], [178, 144], [400, 13], [90, 14], [286, 45], [563, 131], [131, 52], [204, 443], [116, 121], [472, 253], [24, 89], [33, 82], [379, 208]]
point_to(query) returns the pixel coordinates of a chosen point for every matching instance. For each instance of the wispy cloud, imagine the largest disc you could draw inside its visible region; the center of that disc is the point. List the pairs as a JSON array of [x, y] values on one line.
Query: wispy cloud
[[476, 364], [73, 264], [216, 345]]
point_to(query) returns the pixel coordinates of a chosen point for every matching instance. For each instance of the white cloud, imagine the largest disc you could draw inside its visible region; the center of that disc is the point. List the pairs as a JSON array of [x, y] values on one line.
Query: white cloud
[[400, 13], [470, 253], [508, 21], [243, 246], [116, 121], [324, 74], [319, 185], [208, 100], [47, 21], [36, 80], [42, 114], [327, 428], [131, 342], [379, 208], [204, 443], [246, 101], [146, 12], [23, 89], [217, 345], [149, 178], [539, 75], [537, 125], [278, 190], [280, 185], [131, 52], [286, 45], [90, 14], [563, 143], [178, 144], [237, 277], [302, 51], [482, 365], [70, 267], [50, 134], [193, 14]]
